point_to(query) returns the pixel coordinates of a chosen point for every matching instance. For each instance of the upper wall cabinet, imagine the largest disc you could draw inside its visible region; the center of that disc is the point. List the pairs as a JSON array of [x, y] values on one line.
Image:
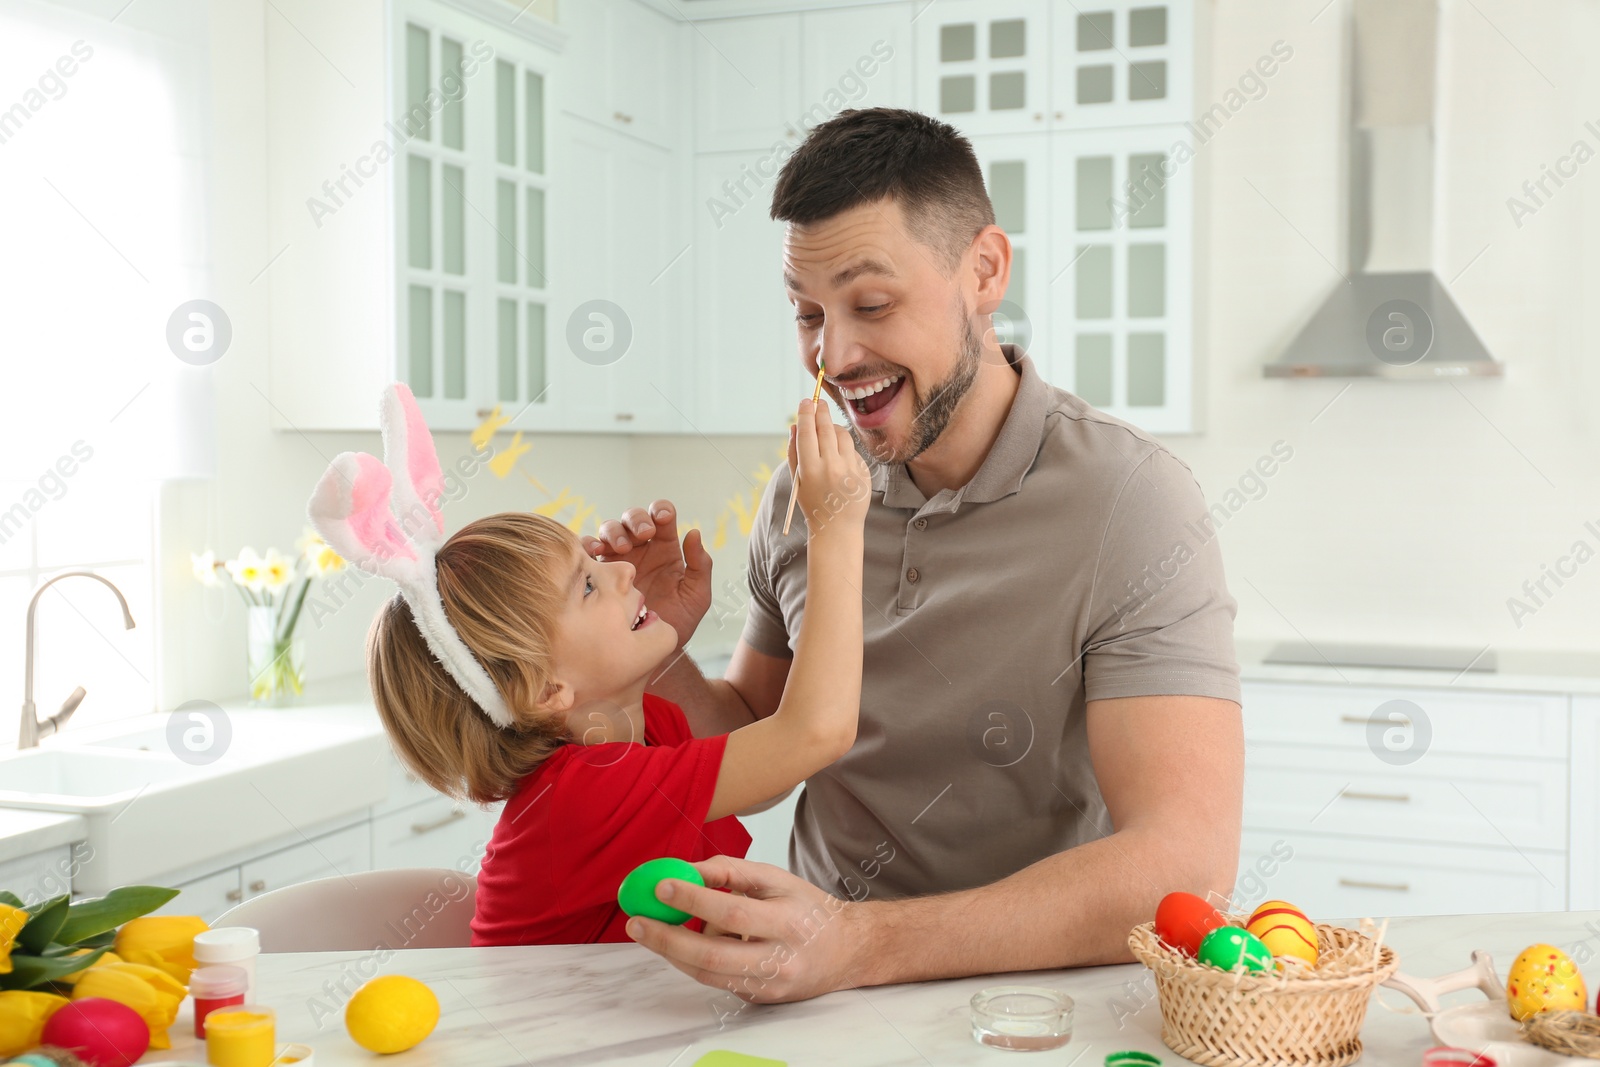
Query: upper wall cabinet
[[1122, 63], [983, 64], [410, 207], [856, 57], [624, 69], [746, 82], [1008, 66]]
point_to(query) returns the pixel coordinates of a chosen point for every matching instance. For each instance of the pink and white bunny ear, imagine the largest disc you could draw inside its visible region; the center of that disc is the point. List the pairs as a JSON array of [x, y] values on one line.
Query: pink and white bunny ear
[[355, 507], [350, 509], [410, 456]]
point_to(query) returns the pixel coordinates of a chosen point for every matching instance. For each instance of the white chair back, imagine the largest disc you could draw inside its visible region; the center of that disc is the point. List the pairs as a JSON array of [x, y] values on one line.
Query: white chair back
[[407, 907]]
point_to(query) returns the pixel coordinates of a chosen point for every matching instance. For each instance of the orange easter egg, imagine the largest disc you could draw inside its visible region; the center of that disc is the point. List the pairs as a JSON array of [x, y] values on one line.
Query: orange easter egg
[[1285, 930]]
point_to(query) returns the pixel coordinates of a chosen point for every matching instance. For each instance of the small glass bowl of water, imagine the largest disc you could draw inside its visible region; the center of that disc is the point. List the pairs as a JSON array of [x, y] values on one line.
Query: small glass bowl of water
[[1021, 1017]]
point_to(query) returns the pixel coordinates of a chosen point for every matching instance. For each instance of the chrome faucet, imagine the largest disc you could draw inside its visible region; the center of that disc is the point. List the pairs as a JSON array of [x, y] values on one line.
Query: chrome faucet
[[32, 728]]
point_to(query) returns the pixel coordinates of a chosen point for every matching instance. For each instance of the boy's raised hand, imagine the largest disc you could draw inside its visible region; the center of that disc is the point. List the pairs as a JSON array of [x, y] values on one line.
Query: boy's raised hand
[[834, 484], [676, 583]]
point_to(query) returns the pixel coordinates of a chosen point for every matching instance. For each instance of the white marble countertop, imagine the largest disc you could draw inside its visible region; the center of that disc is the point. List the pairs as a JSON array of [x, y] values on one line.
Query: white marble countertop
[[25, 833], [621, 1005], [1517, 670]]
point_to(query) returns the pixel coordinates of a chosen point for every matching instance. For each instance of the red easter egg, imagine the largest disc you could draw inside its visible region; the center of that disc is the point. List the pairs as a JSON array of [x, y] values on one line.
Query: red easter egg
[[100, 1030], [1183, 920]]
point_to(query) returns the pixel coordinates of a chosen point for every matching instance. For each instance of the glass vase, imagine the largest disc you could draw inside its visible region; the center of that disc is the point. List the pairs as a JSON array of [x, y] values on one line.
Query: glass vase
[[276, 665]]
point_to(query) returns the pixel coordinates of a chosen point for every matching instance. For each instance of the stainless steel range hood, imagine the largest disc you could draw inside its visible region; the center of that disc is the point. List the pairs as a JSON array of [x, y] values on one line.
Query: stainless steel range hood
[[1393, 318]]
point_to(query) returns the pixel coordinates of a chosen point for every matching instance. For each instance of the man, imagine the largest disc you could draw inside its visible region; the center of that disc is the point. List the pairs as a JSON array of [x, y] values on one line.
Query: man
[[1050, 734]]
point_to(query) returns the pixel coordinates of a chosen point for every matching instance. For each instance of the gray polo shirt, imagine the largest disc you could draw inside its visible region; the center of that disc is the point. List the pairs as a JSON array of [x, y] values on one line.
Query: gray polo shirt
[[1078, 564]]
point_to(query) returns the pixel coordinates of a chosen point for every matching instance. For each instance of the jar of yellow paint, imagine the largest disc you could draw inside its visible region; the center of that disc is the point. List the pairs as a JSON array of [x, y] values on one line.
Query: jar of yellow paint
[[243, 1035]]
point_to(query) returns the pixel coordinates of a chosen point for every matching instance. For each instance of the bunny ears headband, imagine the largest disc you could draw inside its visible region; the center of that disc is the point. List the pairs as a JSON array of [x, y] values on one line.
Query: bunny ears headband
[[384, 518]]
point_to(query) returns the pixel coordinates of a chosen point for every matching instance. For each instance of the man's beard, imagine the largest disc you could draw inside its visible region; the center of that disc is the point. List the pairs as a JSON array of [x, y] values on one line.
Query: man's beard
[[934, 414]]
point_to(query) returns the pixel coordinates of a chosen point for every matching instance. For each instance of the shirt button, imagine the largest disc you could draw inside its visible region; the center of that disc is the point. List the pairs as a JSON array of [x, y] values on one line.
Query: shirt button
[[921, 524], [912, 576]]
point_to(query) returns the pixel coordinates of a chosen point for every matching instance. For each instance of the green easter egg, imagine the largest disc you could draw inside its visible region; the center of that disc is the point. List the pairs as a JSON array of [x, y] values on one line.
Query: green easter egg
[[637, 894], [1229, 947]]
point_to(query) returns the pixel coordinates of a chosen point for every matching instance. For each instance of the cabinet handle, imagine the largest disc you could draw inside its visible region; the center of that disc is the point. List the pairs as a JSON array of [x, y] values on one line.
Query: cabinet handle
[[258, 886], [428, 827], [1362, 720], [624, 416], [234, 895], [484, 413], [1398, 798], [1059, 116], [1038, 116], [620, 117], [1356, 883]]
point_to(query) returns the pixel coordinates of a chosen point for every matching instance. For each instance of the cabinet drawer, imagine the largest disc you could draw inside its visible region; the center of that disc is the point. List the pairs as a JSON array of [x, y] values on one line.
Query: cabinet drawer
[[206, 897], [1460, 722], [1456, 799], [438, 833], [405, 789], [341, 852], [1332, 878]]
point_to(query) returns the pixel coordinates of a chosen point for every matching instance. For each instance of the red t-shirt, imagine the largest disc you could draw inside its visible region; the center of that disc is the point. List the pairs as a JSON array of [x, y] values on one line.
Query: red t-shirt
[[587, 816]]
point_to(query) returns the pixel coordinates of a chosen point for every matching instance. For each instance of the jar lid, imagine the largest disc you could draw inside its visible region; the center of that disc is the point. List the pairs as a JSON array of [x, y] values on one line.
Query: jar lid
[[227, 943], [218, 980], [297, 1055]]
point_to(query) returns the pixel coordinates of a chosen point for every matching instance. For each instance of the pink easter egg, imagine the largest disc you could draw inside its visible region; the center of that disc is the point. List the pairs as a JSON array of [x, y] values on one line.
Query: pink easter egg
[[100, 1030]]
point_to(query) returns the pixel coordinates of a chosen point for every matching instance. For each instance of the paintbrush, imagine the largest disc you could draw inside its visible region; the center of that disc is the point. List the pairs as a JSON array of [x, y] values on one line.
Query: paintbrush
[[794, 488]]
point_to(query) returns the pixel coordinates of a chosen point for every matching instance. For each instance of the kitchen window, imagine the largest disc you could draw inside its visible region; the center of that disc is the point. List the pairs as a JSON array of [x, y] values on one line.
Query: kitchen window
[[101, 169]]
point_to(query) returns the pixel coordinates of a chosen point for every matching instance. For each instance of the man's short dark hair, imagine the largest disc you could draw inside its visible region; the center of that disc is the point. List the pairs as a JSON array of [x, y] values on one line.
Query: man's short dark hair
[[861, 156]]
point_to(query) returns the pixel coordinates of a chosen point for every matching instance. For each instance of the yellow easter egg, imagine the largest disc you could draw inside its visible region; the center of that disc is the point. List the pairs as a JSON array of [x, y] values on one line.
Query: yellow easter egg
[[1285, 930], [1544, 978]]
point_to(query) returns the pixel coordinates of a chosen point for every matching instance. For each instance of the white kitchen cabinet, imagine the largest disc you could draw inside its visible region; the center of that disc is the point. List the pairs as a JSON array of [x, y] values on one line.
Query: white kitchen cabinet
[[983, 65], [1584, 805], [390, 237], [857, 57], [746, 82], [39, 876], [1121, 63], [749, 375], [439, 832], [347, 851], [207, 897], [617, 332], [625, 69], [1122, 274], [1410, 800], [1334, 877], [1016, 171]]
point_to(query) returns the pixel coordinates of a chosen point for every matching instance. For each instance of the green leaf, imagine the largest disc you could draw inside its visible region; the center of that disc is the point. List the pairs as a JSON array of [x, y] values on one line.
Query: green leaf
[[90, 917], [29, 971], [10, 898], [44, 921]]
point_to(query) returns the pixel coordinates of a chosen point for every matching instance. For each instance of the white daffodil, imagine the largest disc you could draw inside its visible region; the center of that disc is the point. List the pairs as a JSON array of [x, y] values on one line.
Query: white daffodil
[[277, 570], [205, 567], [248, 570], [324, 560]]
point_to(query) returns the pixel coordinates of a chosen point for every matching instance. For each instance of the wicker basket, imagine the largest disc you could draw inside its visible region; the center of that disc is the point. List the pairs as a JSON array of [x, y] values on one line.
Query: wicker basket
[[1296, 1017]]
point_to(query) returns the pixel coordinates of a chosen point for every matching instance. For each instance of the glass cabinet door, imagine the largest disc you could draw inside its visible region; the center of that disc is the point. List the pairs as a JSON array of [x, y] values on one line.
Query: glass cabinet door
[[1016, 174], [1121, 296], [981, 64], [1121, 63]]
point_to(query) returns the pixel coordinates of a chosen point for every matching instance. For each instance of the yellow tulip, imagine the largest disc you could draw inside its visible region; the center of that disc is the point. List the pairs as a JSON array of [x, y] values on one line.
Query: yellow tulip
[[105, 958], [22, 1017], [163, 941], [151, 992], [12, 920]]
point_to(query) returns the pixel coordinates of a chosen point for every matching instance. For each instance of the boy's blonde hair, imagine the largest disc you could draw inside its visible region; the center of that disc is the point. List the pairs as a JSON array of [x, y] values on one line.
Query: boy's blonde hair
[[503, 582]]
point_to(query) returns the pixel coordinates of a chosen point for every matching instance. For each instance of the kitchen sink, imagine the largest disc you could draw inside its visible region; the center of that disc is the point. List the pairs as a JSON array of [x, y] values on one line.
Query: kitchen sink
[[58, 778], [275, 772]]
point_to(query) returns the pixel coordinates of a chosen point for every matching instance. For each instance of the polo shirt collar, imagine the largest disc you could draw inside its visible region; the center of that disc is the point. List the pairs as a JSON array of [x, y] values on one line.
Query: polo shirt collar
[[1008, 461]]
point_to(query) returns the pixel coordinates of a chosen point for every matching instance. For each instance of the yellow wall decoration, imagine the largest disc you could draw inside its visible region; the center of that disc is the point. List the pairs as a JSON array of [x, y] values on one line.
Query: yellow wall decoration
[[583, 512]]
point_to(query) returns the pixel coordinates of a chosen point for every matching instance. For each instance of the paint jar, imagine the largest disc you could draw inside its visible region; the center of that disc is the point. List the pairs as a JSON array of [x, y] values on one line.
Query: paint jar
[[298, 1055], [217, 986], [1021, 1017], [244, 1035], [237, 946]]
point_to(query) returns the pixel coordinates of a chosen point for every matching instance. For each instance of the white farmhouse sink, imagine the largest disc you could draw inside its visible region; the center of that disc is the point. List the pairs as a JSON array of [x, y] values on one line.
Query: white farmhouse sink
[[60, 779], [150, 812]]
